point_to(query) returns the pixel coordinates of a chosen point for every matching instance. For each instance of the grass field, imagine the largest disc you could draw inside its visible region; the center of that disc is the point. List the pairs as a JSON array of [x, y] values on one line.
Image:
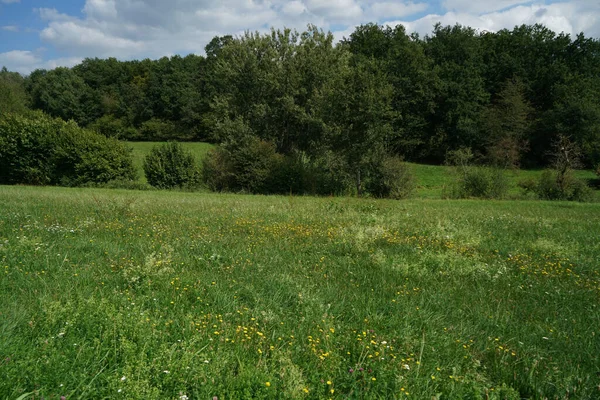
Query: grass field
[[165, 295], [431, 179]]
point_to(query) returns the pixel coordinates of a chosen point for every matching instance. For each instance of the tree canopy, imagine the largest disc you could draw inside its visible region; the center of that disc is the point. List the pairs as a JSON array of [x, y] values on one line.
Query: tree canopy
[[506, 94]]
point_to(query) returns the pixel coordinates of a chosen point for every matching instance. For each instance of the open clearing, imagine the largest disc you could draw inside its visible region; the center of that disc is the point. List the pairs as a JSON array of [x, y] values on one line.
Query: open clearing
[[160, 295]]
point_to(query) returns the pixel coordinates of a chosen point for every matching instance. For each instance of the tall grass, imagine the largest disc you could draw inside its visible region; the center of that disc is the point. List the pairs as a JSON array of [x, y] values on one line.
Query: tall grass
[[154, 295]]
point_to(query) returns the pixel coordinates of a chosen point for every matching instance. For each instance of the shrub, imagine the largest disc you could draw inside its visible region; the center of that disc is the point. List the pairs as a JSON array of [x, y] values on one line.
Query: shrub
[[471, 181], [254, 162], [157, 130], [169, 166], [40, 150], [289, 175], [110, 126], [478, 182], [26, 149], [244, 164], [328, 175], [83, 156], [528, 185], [553, 185], [217, 170], [392, 179]]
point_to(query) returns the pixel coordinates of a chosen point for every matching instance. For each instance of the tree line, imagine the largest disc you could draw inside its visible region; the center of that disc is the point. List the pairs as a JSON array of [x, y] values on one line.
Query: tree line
[[381, 92]]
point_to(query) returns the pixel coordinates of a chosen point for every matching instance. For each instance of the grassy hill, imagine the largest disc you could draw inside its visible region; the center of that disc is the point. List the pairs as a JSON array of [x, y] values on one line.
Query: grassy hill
[[154, 295]]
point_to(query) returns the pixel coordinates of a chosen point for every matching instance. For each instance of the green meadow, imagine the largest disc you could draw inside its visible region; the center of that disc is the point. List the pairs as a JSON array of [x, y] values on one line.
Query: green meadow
[[114, 294]]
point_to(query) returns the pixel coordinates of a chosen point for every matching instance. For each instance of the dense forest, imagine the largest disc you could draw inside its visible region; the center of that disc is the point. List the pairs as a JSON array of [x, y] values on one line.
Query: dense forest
[[505, 95]]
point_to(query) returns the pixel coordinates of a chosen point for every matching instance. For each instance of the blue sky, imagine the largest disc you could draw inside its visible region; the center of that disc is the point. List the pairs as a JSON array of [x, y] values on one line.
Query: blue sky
[[49, 33]]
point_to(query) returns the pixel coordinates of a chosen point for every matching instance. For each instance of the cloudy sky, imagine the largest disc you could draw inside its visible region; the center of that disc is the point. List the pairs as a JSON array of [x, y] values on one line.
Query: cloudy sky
[[49, 33]]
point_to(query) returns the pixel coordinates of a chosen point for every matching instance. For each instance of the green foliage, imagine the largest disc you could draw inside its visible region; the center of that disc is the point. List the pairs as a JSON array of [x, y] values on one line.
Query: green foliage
[[552, 185], [504, 94], [576, 115], [117, 128], [27, 148], [39, 150], [82, 156], [393, 179], [478, 182], [157, 130], [560, 183], [528, 185], [461, 96], [472, 181], [217, 170], [329, 174], [13, 97], [169, 166], [507, 122], [247, 164], [61, 93]]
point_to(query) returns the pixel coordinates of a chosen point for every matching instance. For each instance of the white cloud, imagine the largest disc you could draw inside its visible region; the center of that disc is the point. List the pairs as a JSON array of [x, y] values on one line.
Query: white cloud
[[18, 57], [567, 17], [336, 11], [481, 6], [100, 9], [129, 29], [25, 61], [293, 8], [10, 28], [52, 14], [387, 10]]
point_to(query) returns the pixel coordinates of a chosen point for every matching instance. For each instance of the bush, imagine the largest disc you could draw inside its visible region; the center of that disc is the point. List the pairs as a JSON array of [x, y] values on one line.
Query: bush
[[83, 156], [169, 166], [155, 130], [110, 126], [26, 150], [40, 150], [392, 179], [328, 175], [471, 181], [217, 170], [245, 164], [478, 182], [553, 185], [528, 185], [291, 175]]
